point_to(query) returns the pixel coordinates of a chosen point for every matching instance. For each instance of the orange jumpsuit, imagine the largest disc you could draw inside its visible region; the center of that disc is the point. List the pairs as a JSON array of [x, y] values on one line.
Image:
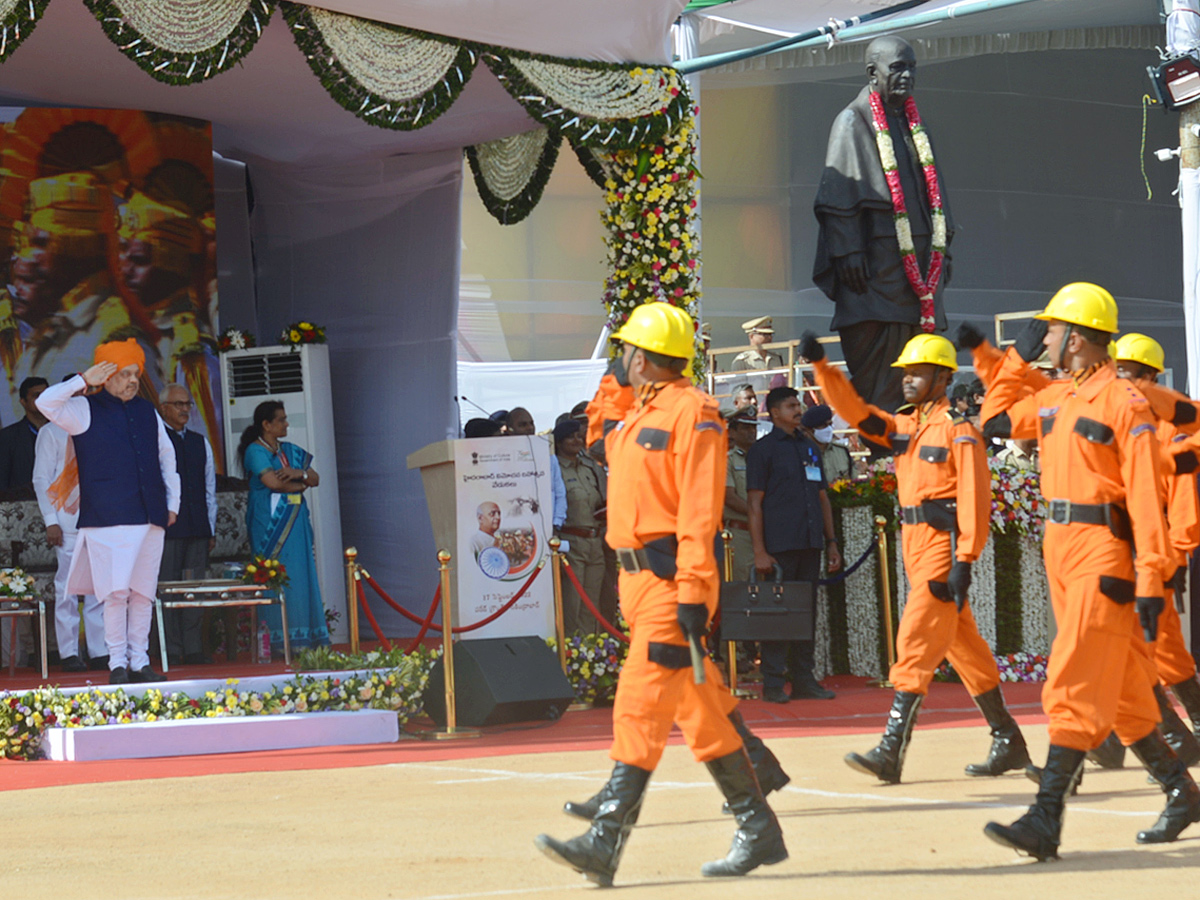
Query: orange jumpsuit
[[667, 477], [1098, 446], [939, 456], [1171, 655]]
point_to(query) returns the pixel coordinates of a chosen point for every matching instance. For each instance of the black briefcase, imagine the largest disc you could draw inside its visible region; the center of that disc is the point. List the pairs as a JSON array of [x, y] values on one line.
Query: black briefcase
[[768, 610]]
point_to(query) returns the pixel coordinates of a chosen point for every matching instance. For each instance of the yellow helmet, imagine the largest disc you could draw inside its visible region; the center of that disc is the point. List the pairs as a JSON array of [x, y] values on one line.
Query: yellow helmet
[[1139, 348], [1083, 303], [660, 328], [928, 348]]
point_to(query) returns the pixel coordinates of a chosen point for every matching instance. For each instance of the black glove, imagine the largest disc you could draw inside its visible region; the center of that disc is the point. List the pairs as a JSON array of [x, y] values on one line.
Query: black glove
[[1177, 584], [1185, 462], [1029, 342], [1148, 610], [693, 619], [810, 347], [959, 583], [969, 337]]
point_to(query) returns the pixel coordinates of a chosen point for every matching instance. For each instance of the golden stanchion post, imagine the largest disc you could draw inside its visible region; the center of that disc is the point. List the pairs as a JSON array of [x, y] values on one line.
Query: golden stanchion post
[[560, 637], [731, 646], [352, 596], [886, 583], [451, 730]]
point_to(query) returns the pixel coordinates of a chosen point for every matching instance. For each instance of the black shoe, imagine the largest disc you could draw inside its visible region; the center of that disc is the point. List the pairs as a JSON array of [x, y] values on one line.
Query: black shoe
[[98, 663], [119, 675], [775, 695], [1008, 749], [1182, 741], [808, 688], [1110, 754], [767, 769], [146, 675], [1188, 693], [758, 840], [1183, 797], [1039, 831], [587, 809], [597, 853], [887, 759], [74, 664]]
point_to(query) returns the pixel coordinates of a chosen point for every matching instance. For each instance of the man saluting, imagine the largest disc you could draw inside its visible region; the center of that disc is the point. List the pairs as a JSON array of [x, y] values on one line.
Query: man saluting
[[128, 493]]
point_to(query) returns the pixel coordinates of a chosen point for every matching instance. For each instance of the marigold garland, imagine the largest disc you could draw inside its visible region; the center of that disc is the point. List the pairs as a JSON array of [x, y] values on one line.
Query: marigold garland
[[161, 37]]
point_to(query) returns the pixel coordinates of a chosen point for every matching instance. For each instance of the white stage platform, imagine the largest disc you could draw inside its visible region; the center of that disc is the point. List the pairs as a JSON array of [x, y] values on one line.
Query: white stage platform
[[231, 734]]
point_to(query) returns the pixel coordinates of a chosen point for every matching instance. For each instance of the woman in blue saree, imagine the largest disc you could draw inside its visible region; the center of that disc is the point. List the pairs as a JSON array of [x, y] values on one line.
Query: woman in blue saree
[[279, 525]]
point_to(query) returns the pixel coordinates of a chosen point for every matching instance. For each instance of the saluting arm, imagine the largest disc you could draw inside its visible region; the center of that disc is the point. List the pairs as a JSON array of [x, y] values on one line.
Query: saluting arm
[[872, 423], [610, 406], [1009, 410]]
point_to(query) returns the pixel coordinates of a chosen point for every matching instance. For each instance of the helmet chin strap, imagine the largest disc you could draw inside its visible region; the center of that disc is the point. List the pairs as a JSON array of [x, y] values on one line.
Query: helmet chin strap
[[1062, 347]]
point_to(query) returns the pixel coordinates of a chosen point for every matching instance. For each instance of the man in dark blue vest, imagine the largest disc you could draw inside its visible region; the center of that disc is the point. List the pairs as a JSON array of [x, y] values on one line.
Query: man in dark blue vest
[[190, 539], [128, 494]]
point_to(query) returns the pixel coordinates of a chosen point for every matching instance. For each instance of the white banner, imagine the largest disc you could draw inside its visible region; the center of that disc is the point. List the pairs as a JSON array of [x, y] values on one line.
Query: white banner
[[504, 512]]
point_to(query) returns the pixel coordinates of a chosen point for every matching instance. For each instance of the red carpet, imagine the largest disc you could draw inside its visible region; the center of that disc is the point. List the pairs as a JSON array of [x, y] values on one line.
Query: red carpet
[[858, 709]]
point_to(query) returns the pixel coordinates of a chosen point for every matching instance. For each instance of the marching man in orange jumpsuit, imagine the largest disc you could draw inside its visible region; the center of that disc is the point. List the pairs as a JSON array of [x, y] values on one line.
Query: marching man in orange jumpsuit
[[666, 492], [945, 503], [1140, 359], [1101, 476]]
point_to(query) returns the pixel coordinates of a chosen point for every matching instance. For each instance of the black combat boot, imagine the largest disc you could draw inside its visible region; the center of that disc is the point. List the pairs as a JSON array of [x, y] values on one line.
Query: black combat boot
[[1188, 693], [767, 769], [1182, 741], [1038, 832], [1183, 797], [1008, 750], [1110, 754], [597, 853], [758, 840], [887, 759]]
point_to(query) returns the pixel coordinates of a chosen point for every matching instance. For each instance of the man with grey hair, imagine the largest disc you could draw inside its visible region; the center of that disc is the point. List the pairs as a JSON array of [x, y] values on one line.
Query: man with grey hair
[[488, 515], [189, 541]]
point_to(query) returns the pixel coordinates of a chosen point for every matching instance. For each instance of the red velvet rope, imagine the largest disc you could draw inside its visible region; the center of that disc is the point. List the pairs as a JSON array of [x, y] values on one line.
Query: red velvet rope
[[437, 597], [362, 599], [587, 601], [464, 628]]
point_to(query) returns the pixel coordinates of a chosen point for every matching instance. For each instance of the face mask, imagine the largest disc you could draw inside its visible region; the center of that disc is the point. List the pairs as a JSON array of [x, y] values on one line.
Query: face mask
[[824, 435]]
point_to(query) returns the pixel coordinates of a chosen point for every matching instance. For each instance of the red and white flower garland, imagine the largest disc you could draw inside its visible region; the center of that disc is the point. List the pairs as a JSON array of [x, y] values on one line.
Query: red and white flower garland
[[924, 287]]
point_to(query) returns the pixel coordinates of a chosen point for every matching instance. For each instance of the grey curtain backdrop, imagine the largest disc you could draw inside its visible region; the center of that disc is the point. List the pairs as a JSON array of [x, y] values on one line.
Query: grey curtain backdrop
[[371, 252]]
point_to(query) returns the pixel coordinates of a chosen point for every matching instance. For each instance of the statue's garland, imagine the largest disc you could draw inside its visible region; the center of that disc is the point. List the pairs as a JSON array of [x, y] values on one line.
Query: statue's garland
[[153, 52], [509, 204], [18, 22]]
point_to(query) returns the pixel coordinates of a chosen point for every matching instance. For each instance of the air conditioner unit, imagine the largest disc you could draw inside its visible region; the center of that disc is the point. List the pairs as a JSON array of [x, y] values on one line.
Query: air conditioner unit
[[298, 378]]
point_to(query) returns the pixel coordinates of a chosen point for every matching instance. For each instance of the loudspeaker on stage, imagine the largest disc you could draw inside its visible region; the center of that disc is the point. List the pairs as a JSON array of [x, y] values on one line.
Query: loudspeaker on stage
[[500, 680]]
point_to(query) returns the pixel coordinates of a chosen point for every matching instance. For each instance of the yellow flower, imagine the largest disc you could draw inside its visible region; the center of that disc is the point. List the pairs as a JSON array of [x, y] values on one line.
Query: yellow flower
[[305, 326], [294, 336]]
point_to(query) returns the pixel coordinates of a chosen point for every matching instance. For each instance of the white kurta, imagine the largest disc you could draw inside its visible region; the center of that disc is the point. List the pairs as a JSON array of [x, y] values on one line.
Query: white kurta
[[118, 557]]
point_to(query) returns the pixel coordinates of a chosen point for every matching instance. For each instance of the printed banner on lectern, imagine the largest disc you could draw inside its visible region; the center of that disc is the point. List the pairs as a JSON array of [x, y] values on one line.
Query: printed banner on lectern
[[505, 518]]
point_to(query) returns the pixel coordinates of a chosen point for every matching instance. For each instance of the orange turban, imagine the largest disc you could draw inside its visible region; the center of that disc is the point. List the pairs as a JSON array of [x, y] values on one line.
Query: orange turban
[[122, 353]]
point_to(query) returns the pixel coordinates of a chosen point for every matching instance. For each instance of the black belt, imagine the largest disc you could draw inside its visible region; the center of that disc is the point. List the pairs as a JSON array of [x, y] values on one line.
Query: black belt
[[1065, 512], [940, 514], [579, 531], [658, 556]]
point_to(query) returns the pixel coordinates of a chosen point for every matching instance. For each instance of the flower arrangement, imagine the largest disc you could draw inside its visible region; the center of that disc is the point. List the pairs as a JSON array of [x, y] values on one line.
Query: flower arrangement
[[15, 583], [879, 487], [1016, 499], [24, 717], [593, 663], [234, 339], [651, 197], [1019, 666], [302, 333], [266, 572]]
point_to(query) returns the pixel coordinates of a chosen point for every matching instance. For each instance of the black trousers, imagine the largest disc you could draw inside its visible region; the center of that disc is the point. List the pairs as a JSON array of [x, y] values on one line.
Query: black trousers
[[870, 348], [182, 555], [789, 660]]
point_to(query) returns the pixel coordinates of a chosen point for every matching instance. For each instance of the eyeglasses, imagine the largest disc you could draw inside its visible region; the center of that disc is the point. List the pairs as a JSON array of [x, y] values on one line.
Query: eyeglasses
[[186, 404]]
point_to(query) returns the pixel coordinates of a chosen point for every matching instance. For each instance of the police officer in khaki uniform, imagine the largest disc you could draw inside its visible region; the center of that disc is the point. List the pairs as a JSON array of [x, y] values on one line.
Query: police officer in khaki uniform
[[584, 525], [743, 429], [758, 332]]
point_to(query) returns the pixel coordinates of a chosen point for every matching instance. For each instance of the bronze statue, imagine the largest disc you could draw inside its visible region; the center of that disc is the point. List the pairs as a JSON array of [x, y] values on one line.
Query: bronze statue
[[883, 295]]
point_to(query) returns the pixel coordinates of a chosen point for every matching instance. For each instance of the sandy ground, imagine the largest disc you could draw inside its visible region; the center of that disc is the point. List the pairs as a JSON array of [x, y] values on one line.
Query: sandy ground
[[464, 829]]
